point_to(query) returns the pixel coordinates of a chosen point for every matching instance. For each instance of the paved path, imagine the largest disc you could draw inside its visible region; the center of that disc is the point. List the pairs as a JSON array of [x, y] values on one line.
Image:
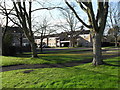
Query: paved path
[[68, 64], [74, 50]]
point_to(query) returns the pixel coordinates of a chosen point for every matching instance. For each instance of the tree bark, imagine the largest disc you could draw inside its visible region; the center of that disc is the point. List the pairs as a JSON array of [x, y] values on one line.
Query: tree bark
[[116, 42], [71, 41], [41, 45], [97, 52], [1, 41], [21, 41], [33, 49], [47, 41]]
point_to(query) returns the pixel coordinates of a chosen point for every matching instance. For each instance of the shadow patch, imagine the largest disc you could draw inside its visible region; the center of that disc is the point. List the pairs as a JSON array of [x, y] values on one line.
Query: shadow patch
[[27, 71]]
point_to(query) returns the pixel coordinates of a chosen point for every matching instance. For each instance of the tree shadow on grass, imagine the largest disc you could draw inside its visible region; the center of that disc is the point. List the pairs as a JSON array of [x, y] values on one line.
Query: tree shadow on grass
[[109, 64], [67, 59], [115, 63], [67, 51], [112, 63], [59, 63]]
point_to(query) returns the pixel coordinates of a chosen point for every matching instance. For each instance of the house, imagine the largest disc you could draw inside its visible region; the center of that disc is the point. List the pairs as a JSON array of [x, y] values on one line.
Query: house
[[81, 38], [48, 41], [84, 40]]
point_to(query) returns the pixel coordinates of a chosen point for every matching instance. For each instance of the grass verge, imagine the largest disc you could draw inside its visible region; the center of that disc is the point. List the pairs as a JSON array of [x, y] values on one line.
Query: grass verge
[[44, 59], [81, 76]]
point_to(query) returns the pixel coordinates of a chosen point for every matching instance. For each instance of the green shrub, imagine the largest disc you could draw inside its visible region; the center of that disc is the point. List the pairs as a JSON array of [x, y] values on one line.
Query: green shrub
[[7, 48]]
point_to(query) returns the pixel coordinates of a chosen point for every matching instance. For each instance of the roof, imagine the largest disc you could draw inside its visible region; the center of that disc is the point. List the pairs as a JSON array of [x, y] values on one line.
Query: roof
[[64, 35]]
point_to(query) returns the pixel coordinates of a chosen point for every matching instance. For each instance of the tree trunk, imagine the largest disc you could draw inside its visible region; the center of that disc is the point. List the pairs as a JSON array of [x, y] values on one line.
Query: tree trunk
[[1, 41], [32, 43], [71, 41], [116, 42], [33, 49], [41, 45], [47, 41], [97, 52], [21, 39]]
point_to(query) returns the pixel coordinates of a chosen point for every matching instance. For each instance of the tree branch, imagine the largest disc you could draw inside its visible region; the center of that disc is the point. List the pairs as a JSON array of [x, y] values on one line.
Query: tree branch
[[47, 8], [99, 11], [82, 7], [88, 26]]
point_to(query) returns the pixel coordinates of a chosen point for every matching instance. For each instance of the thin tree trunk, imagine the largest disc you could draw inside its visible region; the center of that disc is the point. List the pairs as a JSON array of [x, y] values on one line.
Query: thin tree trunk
[[97, 52], [21, 39], [47, 41], [1, 41], [41, 44], [71, 41], [71, 45], [116, 42]]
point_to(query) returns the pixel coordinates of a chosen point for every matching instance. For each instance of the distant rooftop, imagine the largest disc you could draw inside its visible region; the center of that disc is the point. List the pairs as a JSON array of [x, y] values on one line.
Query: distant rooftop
[[64, 35]]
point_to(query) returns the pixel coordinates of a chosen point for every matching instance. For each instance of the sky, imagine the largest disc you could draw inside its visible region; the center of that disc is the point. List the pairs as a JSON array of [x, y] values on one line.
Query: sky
[[53, 15]]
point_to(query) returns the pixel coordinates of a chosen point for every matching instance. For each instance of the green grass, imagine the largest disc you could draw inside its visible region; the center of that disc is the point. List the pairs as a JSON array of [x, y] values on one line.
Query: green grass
[[6, 61], [43, 59], [81, 76], [53, 58]]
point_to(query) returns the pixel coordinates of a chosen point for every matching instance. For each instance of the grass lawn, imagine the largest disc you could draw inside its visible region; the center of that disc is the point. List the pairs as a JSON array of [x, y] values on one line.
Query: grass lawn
[[44, 59], [81, 76], [62, 56]]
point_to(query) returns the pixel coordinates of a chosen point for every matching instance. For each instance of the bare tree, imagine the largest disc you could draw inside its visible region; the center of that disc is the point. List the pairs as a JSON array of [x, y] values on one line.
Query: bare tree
[[70, 25], [96, 24], [24, 18], [115, 33], [5, 13], [43, 28], [113, 22], [22, 11], [23, 15]]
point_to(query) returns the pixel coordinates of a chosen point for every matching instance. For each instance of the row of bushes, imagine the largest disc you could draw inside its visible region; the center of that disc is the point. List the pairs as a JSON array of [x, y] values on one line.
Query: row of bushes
[[9, 50]]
